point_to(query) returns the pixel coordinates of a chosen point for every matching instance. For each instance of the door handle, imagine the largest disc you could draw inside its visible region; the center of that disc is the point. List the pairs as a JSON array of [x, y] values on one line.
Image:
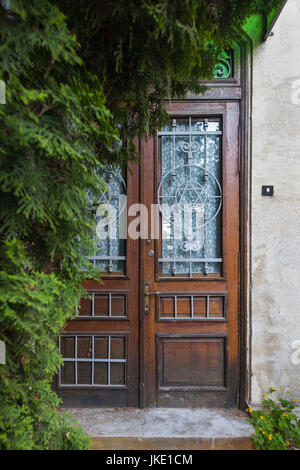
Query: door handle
[[147, 294]]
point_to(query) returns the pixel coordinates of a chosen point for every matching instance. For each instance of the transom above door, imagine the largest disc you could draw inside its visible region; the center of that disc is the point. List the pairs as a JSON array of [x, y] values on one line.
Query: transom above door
[[162, 328]]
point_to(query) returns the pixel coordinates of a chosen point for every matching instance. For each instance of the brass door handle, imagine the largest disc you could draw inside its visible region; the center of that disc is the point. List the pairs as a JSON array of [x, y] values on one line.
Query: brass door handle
[[147, 294]]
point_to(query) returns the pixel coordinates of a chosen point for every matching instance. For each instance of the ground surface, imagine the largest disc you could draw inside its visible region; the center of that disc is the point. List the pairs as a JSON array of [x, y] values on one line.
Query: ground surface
[[185, 428]]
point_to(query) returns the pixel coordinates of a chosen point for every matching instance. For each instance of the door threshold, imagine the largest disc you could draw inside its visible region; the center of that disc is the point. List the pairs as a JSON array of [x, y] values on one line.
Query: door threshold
[[165, 428]]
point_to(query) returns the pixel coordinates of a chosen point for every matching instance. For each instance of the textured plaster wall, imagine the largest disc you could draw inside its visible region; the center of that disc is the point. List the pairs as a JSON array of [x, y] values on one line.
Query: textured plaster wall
[[275, 227]]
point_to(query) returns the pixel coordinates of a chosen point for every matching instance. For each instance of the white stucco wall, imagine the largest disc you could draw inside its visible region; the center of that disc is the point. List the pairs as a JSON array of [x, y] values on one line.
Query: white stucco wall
[[275, 221]]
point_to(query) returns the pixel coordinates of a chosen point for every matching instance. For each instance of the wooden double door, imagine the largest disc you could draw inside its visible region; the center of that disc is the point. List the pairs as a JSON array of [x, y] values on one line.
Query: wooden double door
[[162, 329]]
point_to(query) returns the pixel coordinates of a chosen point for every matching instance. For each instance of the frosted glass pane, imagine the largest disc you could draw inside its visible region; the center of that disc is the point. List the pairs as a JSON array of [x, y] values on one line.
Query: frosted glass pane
[[190, 197], [110, 249]]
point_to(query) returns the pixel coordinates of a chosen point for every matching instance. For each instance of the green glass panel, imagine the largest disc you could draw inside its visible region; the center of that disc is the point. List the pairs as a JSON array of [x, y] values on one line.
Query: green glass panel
[[224, 68]]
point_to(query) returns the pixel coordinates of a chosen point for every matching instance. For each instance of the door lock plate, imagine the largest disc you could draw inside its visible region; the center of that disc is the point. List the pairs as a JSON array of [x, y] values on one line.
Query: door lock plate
[[147, 294]]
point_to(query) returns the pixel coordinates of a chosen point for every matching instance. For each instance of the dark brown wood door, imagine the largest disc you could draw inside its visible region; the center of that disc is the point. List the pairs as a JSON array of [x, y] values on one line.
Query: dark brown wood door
[[162, 327], [100, 348], [189, 273]]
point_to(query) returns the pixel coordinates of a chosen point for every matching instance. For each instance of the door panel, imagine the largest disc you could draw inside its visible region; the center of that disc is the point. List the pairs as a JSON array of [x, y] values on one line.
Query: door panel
[[100, 348], [205, 354], [190, 330]]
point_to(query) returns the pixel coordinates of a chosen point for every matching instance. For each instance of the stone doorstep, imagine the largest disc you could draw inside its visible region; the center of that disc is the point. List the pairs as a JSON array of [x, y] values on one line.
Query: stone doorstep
[[165, 428], [172, 443]]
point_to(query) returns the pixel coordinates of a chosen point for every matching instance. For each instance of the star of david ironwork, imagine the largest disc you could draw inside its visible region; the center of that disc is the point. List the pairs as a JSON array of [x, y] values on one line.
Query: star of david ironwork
[[191, 194]]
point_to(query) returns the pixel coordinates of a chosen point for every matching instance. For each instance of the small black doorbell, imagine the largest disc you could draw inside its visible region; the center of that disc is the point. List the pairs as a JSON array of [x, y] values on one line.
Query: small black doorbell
[[267, 190]]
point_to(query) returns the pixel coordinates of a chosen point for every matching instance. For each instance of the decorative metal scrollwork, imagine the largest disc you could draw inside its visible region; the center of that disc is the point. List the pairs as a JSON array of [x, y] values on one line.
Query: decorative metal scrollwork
[[193, 245], [224, 68], [115, 187], [110, 249], [190, 148], [192, 193], [190, 196]]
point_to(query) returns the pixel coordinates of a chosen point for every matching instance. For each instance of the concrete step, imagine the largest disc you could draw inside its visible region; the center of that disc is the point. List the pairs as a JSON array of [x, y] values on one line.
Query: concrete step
[[172, 443], [165, 428]]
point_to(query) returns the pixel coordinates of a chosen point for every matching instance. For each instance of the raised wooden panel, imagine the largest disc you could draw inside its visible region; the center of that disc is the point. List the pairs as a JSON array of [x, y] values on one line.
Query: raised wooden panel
[[216, 307], [84, 373], [191, 362], [100, 373], [118, 305], [101, 305], [67, 347], [104, 305], [191, 306], [84, 347], [117, 374], [183, 307], [117, 348], [166, 307], [85, 308], [68, 374], [101, 347], [200, 306]]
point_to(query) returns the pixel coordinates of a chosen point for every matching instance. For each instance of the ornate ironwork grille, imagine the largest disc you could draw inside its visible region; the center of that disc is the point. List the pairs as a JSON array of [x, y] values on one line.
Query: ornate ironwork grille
[[110, 255], [224, 67], [190, 196]]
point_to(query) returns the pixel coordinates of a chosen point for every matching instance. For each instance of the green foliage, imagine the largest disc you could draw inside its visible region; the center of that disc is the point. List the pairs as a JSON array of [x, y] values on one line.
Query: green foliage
[[81, 77], [145, 51], [276, 427], [33, 309], [53, 130]]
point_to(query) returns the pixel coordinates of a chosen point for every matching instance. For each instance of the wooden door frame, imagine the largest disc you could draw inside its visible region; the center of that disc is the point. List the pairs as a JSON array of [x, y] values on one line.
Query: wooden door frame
[[233, 89]]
